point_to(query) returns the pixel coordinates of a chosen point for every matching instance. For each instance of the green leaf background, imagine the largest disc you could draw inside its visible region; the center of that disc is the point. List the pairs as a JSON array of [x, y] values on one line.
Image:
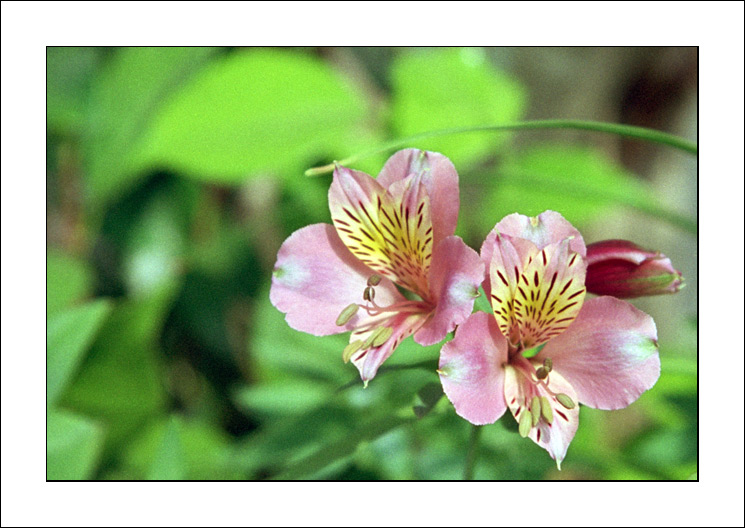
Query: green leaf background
[[174, 175]]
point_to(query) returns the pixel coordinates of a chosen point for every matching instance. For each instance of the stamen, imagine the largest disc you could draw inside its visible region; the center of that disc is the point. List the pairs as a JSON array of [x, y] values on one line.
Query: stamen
[[548, 364], [372, 338], [565, 400], [546, 410], [526, 423], [383, 335], [405, 306], [369, 294], [346, 314], [374, 280], [535, 409], [541, 373], [350, 349]]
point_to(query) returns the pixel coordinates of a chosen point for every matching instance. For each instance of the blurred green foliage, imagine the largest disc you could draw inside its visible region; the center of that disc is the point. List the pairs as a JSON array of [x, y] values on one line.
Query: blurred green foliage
[[174, 174]]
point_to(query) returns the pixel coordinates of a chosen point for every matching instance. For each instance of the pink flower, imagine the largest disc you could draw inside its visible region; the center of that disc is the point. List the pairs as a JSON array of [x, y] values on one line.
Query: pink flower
[[601, 352], [622, 269], [396, 229]]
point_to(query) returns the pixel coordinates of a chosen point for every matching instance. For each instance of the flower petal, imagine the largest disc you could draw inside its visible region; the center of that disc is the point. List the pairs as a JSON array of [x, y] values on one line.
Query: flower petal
[[508, 256], [391, 233], [535, 293], [608, 354], [369, 360], [440, 179], [471, 370], [550, 293], [546, 228], [454, 280], [556, 436], [316, 277]]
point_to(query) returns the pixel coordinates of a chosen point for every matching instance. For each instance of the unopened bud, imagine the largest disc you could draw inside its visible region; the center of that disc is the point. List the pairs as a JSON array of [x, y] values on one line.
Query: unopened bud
[[622, 269], [346, 314]]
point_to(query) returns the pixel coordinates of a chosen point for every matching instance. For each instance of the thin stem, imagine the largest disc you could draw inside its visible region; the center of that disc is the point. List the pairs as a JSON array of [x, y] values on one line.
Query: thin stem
[[641, 133], [473, 452]]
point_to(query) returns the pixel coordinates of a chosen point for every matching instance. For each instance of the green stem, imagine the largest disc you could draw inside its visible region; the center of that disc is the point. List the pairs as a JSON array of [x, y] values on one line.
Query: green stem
[[644, 134], [473, 452]]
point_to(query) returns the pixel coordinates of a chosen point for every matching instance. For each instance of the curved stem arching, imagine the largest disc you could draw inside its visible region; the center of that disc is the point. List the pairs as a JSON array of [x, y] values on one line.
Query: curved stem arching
[[641, 133]]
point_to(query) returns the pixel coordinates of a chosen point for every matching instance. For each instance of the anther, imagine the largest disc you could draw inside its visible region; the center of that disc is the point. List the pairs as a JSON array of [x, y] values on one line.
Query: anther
[[374, 336], [526, 422], [369, 294], [374, 280], [346, 314], [541, 373], [535, 409], [548, 364], [546, 411], [350, 349], [383, 335], [565, 400]]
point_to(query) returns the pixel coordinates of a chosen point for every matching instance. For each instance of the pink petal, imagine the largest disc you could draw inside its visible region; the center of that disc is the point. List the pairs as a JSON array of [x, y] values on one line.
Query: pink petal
[[369, 360], [550, 293], [546, 228], [454, 280], [391, 233], [471, 370], [554, 437], [440, 179], [508, 257], [535, 293], [608, 354], [316, 277]]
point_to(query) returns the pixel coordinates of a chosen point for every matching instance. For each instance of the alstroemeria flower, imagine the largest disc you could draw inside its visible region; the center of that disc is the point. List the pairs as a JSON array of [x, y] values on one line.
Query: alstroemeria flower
[[397, 229], [601, 352], [622, 269]]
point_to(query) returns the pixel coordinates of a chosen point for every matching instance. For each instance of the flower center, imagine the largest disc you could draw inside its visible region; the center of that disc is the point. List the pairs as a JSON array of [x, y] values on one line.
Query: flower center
[[536, 400], [378, 329]]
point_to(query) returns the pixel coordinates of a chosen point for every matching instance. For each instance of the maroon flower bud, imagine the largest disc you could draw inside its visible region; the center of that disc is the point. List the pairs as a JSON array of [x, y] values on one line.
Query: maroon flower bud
[[622, 269]]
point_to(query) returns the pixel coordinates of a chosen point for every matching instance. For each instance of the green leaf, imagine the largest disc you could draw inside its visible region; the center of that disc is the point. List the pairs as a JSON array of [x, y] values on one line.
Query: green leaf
[[256, 111], [73, 446], [429, 395], [69, 280], [155, 247], [179, 447], [281, 398], [69, 335], [336, 451], [69, 74], [125, 96], [579, 182], [120, 380], [169, 461], [448, 88]]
